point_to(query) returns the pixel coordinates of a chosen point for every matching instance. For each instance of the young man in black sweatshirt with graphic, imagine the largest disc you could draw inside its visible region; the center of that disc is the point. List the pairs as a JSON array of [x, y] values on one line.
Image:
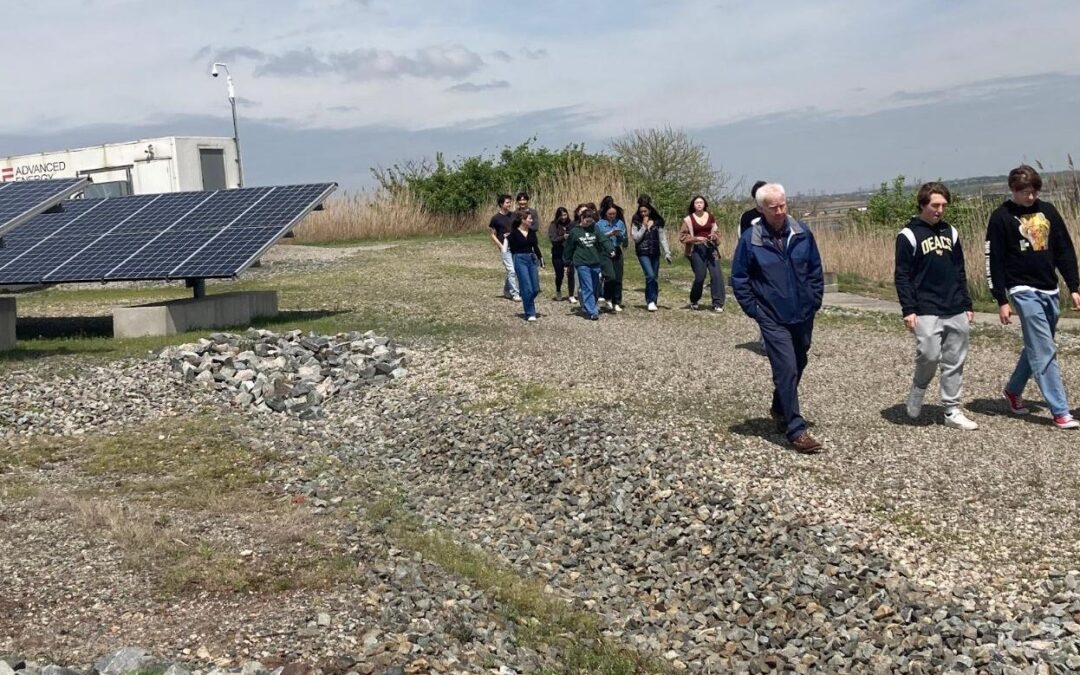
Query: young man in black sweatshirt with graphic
[[932, 286], [1027, 244]]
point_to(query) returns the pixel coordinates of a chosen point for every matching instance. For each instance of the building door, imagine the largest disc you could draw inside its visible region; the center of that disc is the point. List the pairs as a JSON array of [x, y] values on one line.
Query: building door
[[212, 161]]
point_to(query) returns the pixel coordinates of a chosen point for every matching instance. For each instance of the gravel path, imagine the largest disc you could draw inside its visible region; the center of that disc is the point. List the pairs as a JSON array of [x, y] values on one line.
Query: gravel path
[[629, 465]]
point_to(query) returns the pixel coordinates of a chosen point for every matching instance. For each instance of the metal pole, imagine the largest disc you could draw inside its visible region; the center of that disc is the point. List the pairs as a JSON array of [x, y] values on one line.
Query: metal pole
[[198, 287], [236, 141]]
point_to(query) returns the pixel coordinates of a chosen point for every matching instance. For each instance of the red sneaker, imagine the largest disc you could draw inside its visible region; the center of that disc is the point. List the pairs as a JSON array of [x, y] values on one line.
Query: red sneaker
[[1016, 402]]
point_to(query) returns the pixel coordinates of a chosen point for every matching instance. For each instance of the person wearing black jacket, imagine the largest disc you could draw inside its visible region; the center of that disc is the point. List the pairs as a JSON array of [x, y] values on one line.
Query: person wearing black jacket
[[525, 249], [1027, 245], [746, 220], [558, 231], [932, 286]]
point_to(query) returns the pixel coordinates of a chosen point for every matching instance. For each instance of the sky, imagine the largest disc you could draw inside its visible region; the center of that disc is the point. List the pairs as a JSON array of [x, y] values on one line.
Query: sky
[[823, 96]]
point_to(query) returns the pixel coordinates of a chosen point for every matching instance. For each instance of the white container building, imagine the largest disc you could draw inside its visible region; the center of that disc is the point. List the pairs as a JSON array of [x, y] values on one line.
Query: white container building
[[170, 164]]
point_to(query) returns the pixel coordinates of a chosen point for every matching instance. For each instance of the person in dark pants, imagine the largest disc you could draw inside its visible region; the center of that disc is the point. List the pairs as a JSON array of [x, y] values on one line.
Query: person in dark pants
[[557, 232], [779, 282], [701, 241], [750, 214], [613, 227]]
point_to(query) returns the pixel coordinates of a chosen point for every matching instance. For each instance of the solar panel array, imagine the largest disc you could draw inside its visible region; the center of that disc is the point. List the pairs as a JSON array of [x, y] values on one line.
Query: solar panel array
[[182, 235], [22, 200]]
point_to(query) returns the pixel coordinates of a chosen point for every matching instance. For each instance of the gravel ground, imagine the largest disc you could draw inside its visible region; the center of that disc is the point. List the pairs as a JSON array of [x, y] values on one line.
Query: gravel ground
[[628, 464]]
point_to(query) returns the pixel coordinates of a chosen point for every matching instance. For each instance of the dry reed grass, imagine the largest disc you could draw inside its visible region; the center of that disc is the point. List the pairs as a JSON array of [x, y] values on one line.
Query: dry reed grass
[[360, 215]]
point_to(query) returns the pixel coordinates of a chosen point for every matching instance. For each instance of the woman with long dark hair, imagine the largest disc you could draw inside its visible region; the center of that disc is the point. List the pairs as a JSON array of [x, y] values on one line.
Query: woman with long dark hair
[[650, 241], [701, 245], [557, 232], [523, 246], [614, 228]]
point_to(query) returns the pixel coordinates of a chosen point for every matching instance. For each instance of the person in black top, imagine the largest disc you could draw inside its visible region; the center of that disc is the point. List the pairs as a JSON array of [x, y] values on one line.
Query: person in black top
[[525, 250], [932, 286], [522, 200], [1027, 245], [500, 225], [557, 232], [748, 216]]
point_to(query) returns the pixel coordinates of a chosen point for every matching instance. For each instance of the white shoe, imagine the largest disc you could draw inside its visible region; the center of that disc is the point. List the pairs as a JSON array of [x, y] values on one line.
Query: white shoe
[[516, 298], [617, 308], [573, 300], [956, 419], [914, 402], [531, 318], [600, 302], [652, 307]]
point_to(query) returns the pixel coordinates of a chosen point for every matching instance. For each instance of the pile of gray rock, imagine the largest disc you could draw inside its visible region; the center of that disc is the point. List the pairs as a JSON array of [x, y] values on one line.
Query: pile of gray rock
[[293, 372], [135, 660]]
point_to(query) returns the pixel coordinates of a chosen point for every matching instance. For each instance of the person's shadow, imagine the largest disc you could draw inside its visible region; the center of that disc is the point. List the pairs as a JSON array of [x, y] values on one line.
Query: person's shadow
[[997, 407], [765, 429], [897, 414], [752, 346]]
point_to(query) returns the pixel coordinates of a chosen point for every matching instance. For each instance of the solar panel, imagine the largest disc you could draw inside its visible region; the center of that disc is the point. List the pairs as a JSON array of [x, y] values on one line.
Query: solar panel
[[22, 200], [182, 235]]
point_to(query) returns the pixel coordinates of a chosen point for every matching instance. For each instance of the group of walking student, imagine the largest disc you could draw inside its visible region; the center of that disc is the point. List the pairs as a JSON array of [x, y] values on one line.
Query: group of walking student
[[589, 248], [778, 281]]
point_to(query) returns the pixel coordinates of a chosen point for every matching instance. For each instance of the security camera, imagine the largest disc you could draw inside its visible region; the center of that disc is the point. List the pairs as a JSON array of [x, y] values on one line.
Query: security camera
[[213, 71]]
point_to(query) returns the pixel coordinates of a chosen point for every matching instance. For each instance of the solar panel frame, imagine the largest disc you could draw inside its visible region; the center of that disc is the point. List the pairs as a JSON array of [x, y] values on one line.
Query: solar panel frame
[[158, 237], [62, 188]]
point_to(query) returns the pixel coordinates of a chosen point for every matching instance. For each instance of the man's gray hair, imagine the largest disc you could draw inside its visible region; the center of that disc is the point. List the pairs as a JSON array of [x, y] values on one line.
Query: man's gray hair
[[769, 190]]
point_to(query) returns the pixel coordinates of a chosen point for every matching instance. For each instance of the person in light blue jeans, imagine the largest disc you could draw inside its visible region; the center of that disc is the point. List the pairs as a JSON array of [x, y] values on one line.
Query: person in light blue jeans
[[1039, 314], [524, 246], [1027, 246]]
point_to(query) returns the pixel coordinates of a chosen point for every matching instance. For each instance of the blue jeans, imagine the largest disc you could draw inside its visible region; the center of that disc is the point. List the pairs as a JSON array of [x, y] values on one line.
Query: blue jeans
[[650, 266], [528, 275], [1038, 314], [588, 277]]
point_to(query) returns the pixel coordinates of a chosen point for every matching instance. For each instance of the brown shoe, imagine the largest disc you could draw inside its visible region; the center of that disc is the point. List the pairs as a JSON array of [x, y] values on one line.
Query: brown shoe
[[805, 444]]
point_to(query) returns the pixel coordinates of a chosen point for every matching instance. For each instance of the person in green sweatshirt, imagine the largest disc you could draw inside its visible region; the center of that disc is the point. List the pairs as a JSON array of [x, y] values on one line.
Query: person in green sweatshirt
[[587, 248]]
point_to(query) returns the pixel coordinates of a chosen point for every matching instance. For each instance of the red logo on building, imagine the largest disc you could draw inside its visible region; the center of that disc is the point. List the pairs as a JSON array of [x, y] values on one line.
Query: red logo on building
[[6, 174]]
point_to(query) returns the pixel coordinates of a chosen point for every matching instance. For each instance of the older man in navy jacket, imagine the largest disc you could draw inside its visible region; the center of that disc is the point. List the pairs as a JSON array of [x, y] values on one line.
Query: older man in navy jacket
[[777, 278]]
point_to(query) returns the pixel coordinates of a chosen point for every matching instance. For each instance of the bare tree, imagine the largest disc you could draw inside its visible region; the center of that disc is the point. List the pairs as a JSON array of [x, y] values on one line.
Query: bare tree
[[669, 165]]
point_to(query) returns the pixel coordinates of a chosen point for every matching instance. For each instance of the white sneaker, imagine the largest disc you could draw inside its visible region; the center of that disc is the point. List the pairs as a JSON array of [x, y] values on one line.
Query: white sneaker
[[600, 302], [956, 419], [531, 318], [573, 300], [652, 306], [914, 402], [617, 308], [516, 298]]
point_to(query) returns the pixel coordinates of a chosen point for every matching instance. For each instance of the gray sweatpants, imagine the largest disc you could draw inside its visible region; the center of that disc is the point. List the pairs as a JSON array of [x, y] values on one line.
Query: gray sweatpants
[[941, 340]]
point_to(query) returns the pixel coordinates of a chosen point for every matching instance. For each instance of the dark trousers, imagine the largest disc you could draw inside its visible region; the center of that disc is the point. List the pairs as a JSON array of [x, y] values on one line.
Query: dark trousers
[[562, 268], [702, 261], [787, 347], [613, 283]]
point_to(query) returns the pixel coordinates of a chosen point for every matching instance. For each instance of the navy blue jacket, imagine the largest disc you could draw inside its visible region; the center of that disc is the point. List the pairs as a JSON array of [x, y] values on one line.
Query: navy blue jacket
[[786, 285]]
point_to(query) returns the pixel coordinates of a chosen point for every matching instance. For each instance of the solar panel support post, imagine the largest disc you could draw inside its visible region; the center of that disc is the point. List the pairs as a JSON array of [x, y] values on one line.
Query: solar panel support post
[[198, 287]]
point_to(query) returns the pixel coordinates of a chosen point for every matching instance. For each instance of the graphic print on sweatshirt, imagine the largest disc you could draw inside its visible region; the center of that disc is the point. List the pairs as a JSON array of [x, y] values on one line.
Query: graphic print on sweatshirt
[[1035, 228], [939, 245], [587, 239]]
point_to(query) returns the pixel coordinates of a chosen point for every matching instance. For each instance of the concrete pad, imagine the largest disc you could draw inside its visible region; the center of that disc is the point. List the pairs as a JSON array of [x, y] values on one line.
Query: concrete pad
[[7, 324], [178, 316]]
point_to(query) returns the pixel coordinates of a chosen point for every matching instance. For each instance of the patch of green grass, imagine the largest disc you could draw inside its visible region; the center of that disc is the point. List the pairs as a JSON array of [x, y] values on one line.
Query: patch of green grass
[[17, 489], [541, 619]]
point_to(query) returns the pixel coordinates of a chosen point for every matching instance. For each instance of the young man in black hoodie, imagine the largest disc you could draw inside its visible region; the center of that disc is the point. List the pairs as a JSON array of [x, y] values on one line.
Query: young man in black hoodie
[[932, 286], [1027, 244]]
